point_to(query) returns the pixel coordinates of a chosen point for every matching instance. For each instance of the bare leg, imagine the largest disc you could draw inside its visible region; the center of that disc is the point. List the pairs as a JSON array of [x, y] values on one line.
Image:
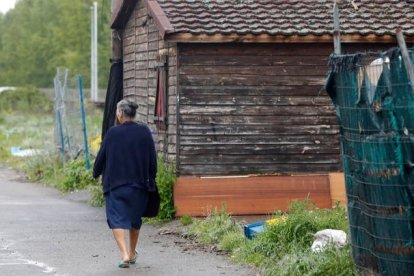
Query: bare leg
[[133, 240], [119, 235]]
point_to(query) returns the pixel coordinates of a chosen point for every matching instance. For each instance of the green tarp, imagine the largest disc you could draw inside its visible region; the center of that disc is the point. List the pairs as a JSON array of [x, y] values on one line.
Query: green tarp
[[375, 111]]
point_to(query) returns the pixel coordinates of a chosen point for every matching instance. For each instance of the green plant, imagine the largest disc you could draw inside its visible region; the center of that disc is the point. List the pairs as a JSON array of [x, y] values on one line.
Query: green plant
[[47, 168], [4, 151], [285, 246], [76, 176], [231, 241], [25, 100], [165, 181], [332, 261], [97, 198], [186, 220], [214, 227]]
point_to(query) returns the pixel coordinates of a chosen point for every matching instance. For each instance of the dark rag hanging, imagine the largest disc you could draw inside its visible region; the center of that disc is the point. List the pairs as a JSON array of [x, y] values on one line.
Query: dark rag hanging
[[114, 94]]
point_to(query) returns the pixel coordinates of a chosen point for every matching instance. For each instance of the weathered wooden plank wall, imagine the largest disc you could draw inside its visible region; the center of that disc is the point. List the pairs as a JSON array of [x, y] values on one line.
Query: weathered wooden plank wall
[[250, 108], [142, 47], [257, 108], [244, 108]]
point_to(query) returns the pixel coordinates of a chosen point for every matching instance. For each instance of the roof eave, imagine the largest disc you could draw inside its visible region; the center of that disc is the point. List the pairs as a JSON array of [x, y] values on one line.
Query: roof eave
[[124, 8], [161, 20], [266, 38], [121, 13]]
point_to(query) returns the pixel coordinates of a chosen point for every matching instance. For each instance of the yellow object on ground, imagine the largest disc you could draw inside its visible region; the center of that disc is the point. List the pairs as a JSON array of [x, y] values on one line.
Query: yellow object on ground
[[276, 220]]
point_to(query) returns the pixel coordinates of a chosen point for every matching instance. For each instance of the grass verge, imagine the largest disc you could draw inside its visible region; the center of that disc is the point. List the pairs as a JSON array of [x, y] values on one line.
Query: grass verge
[[283, 248]]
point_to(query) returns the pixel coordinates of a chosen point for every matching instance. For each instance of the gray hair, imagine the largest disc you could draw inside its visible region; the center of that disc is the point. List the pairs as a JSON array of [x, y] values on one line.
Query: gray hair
[[128, 108]]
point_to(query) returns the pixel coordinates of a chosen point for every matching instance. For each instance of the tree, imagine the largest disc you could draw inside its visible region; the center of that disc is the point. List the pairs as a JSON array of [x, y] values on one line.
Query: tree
[[38, 36]]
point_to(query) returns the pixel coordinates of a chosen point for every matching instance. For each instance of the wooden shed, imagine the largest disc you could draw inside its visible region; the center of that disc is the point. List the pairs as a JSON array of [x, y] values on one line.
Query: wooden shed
[[233, 91]]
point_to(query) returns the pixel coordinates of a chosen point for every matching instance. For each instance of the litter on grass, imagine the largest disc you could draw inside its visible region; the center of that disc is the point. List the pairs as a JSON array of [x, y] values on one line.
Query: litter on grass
[[252, 229], [326, 237], [19, 152]]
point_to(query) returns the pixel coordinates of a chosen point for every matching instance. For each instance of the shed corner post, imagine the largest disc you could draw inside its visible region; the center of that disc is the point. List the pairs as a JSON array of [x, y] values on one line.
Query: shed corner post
[[177, 111], [116, 36]]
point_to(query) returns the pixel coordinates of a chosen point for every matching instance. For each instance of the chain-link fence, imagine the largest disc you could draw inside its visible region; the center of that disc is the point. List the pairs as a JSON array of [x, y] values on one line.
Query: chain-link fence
[[70, 125], [374, 103]]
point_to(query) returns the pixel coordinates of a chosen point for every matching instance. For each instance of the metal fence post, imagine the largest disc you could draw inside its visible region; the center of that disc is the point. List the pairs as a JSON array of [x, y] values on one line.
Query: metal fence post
[[85, 135]]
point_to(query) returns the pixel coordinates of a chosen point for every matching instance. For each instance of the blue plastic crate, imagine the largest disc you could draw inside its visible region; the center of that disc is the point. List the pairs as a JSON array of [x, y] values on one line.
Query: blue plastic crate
[[252, 229]]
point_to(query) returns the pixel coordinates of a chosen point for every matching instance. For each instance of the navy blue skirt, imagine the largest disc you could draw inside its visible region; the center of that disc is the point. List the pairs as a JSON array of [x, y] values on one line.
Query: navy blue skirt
[[125, 206]]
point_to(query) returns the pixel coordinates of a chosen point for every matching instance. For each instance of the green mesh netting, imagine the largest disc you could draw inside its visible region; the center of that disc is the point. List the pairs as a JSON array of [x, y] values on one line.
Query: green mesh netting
[[374, 105]]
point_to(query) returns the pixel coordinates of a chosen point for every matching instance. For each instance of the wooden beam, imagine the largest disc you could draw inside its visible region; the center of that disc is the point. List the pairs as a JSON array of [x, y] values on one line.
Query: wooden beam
[[264, 38], [116, 45], [248, 195]]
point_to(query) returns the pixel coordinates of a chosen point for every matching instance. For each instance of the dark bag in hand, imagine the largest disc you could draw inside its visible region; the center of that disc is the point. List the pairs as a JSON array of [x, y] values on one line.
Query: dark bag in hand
[[153, 206]]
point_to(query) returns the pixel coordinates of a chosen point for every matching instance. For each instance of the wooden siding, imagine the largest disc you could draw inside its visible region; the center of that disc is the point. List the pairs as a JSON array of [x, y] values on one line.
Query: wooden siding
[[248, 195], [251, 108], [337, 187], [142, 45]]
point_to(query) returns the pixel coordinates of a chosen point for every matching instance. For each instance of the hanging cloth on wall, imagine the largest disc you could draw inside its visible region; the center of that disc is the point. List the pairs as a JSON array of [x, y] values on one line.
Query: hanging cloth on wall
[[114, 94], [160, 112]]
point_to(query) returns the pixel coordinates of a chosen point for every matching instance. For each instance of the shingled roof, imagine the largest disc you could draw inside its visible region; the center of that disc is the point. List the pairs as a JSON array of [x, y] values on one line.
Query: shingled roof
[[280, 17]]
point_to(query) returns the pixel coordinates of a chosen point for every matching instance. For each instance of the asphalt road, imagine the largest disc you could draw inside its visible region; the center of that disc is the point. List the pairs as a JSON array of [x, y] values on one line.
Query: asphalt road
[[43, 232]]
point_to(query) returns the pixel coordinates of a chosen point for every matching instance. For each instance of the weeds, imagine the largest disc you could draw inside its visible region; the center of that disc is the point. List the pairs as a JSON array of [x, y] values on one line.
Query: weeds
[[45, 168], [297, 230], [283, 248], [231, 241], [186, 220], [332, 261], [66, 177], [214, 227], [165, 181], [76, 176], [97, 198]]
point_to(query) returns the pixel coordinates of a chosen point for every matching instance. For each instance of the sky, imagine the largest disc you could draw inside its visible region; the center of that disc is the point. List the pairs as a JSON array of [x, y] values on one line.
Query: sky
[[5, 5]]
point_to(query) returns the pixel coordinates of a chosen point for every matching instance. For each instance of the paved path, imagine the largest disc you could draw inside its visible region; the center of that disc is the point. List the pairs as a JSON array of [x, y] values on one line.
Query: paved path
[[43, 232]]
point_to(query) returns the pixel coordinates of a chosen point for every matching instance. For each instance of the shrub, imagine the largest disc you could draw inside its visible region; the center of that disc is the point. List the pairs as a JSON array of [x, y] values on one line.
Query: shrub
[[76, 176], [66, 177], [25, 99], [165, 181]]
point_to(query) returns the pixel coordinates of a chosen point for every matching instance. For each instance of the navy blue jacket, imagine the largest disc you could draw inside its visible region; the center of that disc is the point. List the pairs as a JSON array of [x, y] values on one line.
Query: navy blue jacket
[[127, 157]]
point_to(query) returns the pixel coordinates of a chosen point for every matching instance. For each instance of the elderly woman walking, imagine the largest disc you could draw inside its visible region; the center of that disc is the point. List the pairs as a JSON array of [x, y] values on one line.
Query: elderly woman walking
[[128, 164]]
